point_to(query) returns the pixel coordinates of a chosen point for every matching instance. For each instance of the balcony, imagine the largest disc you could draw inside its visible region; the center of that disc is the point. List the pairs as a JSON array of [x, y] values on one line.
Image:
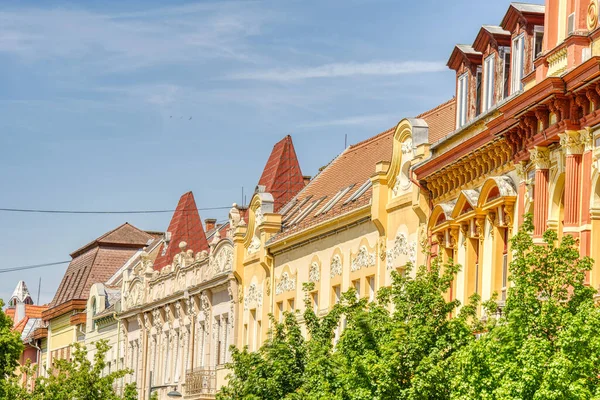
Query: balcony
[[201, 383]]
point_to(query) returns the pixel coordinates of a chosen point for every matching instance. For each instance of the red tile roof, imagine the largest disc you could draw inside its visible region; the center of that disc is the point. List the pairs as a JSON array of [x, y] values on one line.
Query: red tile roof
[[441, 120], [282, 176], [99, 260], [186, 226], [31, 311], [353, 167]]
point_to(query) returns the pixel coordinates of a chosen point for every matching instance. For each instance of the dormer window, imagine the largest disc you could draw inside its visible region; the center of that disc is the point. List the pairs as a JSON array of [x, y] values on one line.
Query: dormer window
[[518, 56], [462, 96], [488, 88], [505, 57], [478, 91], [538, 38]]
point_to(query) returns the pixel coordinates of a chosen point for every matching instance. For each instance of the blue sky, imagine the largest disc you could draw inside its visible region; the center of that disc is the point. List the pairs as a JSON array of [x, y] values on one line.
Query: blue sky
[[119, 105]]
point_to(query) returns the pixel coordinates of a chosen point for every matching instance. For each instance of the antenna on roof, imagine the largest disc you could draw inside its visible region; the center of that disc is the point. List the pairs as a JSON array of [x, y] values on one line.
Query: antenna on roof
[[243, 204], [39, 287], [345, 140]]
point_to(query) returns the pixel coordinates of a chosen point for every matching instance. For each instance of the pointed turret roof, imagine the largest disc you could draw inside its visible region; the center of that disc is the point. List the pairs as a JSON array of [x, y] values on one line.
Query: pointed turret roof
[[282, 176], [185, 226], [21, 294]]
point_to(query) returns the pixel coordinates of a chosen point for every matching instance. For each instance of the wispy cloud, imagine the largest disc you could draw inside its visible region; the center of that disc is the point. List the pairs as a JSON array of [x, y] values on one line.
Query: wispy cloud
[[339, 70], [361, 120], [125, 42]]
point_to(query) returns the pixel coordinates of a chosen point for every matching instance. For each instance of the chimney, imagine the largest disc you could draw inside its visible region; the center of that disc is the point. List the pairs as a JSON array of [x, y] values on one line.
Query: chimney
[[306, 179], [210, 224]]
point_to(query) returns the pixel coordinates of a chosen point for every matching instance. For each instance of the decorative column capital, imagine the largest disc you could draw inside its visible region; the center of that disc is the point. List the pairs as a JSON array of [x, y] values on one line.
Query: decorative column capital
[[571, 141], [521, 170], [587, 139], [540, 156]]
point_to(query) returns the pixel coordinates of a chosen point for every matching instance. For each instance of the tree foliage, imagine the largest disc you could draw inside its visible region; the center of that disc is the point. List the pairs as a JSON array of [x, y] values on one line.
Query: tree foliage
[[546, 343], [11, 348], [78, 378], [411, 343]]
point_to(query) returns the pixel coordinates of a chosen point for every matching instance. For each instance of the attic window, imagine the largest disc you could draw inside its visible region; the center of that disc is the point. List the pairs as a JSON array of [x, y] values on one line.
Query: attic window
[[488, 89], [571, 23], [462, 94], [334, 200], [288, 206], [518, 55], [538, 38], [295, 210], [361, 190], [306, 211]]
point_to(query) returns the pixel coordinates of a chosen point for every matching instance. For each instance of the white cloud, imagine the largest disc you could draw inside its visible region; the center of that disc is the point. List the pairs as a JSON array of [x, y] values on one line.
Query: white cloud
[[124, 42], [339, 70]]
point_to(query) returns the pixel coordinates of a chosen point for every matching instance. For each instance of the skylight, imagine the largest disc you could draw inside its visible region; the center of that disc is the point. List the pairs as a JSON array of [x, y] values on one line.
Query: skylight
[[361, 190], [334, 200], [295, 210], [306, 211]]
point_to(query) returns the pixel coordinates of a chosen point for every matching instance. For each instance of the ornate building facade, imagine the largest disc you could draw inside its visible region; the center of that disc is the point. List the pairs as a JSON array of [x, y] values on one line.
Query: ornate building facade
[[360, 218], [525, 141]]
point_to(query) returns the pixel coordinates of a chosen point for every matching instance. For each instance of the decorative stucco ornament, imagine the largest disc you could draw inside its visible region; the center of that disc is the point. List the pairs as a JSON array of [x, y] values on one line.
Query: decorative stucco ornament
[[134, 297], [285, 284], [336, 266], [592, 15], [314, 274], [205, 305], [254, 296], [222, 261], [254, 245], [540, 156], [363, 259], [401, 246]]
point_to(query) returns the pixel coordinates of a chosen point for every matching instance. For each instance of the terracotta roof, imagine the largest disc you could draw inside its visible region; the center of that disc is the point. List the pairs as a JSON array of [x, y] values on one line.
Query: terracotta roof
[[98, 261], [282, 177], [351, 169], [185, 226], [32, 313], [123, 235], [441, 120]]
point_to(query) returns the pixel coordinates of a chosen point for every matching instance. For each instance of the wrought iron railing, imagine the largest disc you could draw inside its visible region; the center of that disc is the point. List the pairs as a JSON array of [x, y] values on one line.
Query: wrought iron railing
[[201, 380]]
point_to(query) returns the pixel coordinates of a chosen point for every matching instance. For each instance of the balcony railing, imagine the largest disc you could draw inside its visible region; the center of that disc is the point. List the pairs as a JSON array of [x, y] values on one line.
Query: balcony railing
[[201, 380]]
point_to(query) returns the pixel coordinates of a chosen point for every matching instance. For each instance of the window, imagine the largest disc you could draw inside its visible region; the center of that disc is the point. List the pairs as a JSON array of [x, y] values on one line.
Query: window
[[518, 51], [280, 311], [94, 311], [504, 265], [356, 285], [478, 91], [538, 38], [505, 57], [291, 305], [360, 191], [329, 205], [371, 281], [337, 294], [253, 330], [571, 23], [219, 341], [489, 71], [462, 94], [315, 302]]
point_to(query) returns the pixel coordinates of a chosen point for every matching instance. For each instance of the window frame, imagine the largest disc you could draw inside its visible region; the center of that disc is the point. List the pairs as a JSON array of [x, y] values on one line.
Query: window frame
[[489, 80], [462, 99], [517, 63]]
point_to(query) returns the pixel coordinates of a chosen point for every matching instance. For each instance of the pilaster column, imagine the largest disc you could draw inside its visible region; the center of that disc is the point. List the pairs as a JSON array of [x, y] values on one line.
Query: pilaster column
[[586, 192], [522, 191], [540, 156], [571, 142]]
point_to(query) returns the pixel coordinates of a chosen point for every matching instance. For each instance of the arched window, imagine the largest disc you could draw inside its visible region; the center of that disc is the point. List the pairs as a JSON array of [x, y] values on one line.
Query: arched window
[[94, 311]]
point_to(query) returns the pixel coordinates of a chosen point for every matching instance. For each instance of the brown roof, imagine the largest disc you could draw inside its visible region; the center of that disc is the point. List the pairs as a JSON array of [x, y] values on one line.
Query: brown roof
[[441, 120], [351, 169], [282, 177], [185, 226], [99, 260]]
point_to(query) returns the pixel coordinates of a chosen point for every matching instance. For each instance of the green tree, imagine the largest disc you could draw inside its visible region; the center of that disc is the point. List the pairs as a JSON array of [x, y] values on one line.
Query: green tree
[[11, 348], [546, 342], [78, 378], [274, 371]]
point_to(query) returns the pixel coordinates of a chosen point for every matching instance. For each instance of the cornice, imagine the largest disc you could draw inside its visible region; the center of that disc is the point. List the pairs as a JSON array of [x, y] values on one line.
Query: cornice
[[61, 309]]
